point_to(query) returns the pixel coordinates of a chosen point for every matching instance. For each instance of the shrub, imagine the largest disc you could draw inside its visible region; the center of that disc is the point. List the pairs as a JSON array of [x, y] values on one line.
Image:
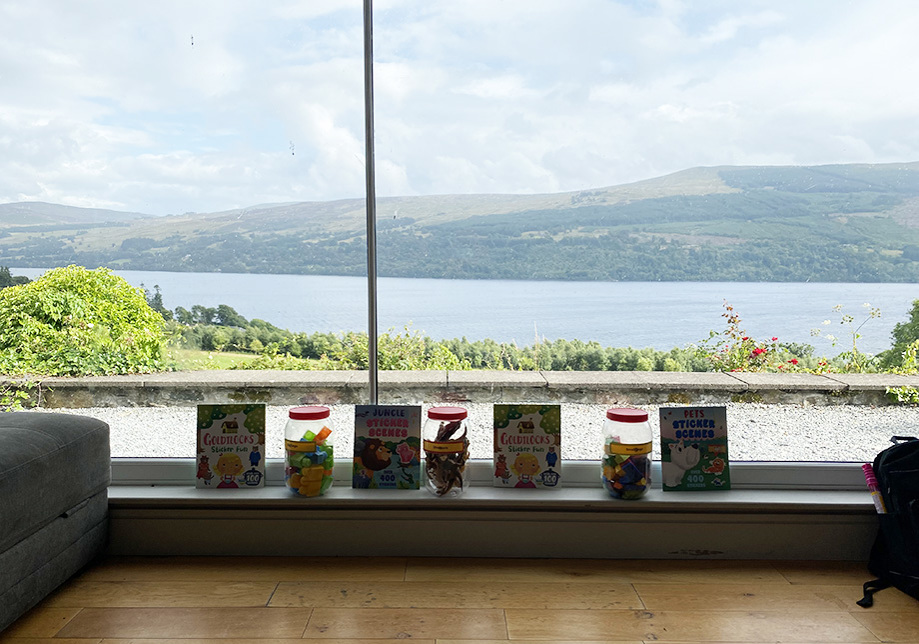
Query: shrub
[[904, 334], [271, 358], [395, 351], [73, 321], [733, 350]]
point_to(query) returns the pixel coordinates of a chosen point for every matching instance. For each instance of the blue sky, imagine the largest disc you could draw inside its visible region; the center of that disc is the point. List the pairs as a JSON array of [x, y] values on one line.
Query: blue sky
[[209, 105]]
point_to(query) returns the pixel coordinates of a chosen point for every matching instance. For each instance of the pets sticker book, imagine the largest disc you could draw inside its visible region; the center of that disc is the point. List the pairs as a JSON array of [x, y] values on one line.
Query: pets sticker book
[[231, 446], [387, 447], [528, 446], [694, 448]]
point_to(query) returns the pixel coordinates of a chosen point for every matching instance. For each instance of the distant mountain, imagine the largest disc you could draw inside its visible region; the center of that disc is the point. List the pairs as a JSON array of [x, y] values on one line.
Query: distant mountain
[[39, 213], [853, 222]]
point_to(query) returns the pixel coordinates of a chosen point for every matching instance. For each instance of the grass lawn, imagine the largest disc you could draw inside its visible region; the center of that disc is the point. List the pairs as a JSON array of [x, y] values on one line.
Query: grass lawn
[[194, 360]]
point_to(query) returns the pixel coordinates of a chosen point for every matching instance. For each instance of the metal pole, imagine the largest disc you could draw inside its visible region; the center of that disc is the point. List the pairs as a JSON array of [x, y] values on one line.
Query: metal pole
[[372, 346]]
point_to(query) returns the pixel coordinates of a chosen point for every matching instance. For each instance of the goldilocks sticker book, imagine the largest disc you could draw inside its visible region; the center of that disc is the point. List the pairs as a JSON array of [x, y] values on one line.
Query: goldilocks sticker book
[[231, 446], [528, 445]]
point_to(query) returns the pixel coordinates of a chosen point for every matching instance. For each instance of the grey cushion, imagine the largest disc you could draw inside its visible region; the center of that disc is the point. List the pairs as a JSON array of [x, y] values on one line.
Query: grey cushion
[[60, 565], [31, 555], [49, 464]]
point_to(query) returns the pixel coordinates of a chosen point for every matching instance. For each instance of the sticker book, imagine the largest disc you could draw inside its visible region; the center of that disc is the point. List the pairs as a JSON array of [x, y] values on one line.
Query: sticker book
[[387, 447], [231, 446], [694, 448], [528, 445]]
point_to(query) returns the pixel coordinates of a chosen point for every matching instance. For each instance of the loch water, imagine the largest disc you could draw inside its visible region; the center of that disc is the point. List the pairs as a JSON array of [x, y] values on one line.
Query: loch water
[[662, 315]]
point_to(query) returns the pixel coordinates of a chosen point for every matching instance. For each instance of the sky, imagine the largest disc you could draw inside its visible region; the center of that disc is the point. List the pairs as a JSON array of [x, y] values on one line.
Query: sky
[[207, 105]]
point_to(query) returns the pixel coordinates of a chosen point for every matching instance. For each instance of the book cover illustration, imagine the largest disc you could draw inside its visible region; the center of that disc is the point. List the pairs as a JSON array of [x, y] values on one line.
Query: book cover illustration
[[387, 447], [231, 446], [527, 445], [694, 448]]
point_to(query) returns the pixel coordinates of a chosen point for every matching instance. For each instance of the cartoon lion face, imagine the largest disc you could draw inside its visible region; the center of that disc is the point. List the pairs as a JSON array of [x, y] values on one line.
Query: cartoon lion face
[[376, 456]]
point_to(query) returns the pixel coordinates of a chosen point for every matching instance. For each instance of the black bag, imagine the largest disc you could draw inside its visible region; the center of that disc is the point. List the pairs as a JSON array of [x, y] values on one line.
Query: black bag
[[894, 556]]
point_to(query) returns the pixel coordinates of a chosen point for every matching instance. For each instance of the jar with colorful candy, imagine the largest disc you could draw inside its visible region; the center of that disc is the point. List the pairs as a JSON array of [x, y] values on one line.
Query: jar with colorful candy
[[308, 450], [626, 472], [446, 450]]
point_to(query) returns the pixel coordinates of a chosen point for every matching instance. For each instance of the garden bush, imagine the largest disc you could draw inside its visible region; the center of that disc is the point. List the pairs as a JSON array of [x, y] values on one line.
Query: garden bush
[[73, 321]]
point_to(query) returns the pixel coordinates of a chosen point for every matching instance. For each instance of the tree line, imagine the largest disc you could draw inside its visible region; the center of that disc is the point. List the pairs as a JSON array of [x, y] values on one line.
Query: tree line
[[74, 321], [222, 328]]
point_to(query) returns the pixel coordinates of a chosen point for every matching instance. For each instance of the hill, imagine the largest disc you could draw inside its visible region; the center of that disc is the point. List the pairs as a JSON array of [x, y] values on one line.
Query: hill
[[821, 223], [39, 213]]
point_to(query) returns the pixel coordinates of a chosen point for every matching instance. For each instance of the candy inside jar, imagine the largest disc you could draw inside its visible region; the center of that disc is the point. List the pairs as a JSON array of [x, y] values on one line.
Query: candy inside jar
[[626, 470], [446, 450], [308, 451]]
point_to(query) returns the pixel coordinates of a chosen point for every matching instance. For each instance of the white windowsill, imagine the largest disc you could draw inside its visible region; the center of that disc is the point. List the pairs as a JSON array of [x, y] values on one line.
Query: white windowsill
[[758, 487], [774, 511]]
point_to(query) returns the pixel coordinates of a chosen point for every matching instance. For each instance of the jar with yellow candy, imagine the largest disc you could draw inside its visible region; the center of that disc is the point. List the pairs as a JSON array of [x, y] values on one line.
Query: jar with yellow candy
[[308, 450], [627, 439]]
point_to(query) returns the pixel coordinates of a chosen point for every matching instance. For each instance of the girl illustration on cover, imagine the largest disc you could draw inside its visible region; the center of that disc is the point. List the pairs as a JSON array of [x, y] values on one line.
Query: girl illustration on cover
[[526, 467], [228, 467]]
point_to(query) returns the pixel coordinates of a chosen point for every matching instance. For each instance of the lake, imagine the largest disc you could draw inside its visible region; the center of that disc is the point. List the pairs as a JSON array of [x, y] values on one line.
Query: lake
[[661, 315]]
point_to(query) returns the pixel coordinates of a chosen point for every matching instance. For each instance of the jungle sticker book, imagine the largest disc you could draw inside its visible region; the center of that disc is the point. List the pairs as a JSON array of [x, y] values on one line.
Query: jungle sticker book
[[528, 445], [387, 447], [694, 448], [231, 446]]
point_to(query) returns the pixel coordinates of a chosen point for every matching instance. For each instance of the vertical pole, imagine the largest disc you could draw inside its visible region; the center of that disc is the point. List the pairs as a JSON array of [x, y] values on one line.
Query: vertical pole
[[372, 346]]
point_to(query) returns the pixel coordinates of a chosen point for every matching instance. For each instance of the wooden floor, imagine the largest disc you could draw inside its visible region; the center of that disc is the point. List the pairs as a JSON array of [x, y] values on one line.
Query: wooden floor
[[143, 600]]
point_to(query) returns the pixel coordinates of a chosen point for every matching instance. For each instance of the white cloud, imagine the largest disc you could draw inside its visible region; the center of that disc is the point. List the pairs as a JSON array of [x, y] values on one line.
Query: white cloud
[[505, 87], [730, 27], [175, 106], [398, 82]]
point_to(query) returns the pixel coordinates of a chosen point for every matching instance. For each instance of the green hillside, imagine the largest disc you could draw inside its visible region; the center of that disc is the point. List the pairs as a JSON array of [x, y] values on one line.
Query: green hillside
[[822, 223]]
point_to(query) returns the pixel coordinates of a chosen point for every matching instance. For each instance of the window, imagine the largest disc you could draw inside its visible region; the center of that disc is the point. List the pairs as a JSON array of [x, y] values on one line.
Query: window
[[584, 108]]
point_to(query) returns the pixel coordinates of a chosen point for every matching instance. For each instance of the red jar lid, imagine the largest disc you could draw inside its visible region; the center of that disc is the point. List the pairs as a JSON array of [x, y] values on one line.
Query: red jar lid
[[447, 413], [310, 413], [627, 415]]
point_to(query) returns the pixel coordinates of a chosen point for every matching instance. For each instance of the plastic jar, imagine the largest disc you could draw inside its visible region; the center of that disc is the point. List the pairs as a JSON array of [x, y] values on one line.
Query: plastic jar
[[308, 451], [626, 472], [446, 450]]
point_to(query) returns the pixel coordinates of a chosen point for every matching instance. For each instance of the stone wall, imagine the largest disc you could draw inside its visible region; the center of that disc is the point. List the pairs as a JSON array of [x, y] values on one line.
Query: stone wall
[[402, 387]]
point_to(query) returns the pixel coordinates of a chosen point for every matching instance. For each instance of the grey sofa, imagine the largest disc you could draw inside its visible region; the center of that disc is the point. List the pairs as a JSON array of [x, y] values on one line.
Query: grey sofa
[[54, 477]]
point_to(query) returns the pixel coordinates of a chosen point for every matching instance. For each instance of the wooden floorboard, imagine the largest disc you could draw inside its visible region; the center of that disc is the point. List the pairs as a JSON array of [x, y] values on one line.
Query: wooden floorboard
[[240, 600]]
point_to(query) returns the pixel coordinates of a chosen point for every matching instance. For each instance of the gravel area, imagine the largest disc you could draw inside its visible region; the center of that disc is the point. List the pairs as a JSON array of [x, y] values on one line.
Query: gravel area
[[756, 432]]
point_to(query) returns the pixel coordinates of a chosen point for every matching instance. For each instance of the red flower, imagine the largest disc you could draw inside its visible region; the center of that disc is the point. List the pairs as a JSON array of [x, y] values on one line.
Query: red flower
[[745, 338], [774, 339], [793, 361], [758, 351]]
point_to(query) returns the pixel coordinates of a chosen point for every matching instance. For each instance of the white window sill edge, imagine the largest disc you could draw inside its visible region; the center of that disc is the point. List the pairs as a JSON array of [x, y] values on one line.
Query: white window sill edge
[[788, 488]]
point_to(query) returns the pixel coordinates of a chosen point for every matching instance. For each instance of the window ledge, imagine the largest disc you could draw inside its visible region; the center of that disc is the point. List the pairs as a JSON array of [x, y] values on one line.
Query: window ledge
[[485, 522], [570, 499], [774, 511]]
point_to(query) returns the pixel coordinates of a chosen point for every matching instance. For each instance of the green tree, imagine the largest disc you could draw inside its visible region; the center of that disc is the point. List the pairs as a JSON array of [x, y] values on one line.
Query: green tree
[[155, 302], [903, 334], [7, 279], [74, 321], [227, 316], [184, 316], [203, 314], [397, 351]]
